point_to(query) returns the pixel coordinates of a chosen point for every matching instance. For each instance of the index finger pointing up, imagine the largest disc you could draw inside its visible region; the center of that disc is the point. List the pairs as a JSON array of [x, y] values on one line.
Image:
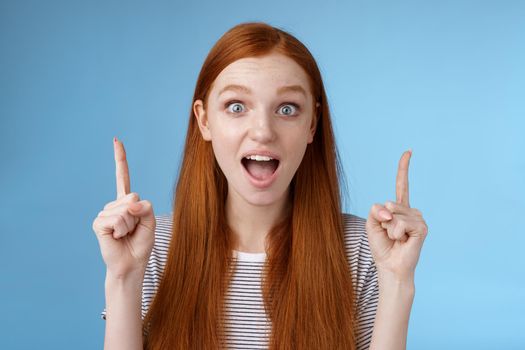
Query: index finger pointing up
[[121, 168], [402, 179]]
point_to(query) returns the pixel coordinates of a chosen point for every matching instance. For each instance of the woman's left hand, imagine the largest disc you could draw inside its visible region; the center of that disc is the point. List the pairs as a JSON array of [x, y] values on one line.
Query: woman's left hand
[[395, 231]]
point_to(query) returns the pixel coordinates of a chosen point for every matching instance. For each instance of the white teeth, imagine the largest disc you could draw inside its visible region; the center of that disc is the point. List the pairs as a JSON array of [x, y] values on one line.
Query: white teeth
[[259, 158]]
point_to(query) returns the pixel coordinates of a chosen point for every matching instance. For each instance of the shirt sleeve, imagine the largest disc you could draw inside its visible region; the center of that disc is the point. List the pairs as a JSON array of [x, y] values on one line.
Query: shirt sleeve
[[366, 308], [364, 278]]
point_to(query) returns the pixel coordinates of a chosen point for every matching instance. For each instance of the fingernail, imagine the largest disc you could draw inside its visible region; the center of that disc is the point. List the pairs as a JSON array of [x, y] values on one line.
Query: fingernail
[[115, 139], [385, 215], [136, 206]]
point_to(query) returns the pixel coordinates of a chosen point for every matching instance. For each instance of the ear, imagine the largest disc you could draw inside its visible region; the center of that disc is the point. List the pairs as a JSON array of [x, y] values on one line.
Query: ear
[[202, 119], [313, 127]]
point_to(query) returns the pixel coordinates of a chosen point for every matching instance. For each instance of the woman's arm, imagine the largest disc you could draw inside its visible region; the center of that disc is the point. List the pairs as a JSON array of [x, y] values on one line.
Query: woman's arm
[[396, 233], [125, 230], [393, 312], [123, 312]]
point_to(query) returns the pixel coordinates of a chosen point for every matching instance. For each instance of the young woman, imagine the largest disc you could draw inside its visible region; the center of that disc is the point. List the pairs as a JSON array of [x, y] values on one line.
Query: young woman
[[257, 253]]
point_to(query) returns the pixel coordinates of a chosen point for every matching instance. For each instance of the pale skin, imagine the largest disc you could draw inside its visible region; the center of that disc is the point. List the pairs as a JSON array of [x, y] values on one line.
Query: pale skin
[[395, 241], [396, 234], [269, 108], [125, 230]]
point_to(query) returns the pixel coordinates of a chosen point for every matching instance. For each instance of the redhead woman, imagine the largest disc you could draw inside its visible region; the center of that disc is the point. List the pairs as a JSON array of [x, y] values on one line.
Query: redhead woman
[[256, 253]]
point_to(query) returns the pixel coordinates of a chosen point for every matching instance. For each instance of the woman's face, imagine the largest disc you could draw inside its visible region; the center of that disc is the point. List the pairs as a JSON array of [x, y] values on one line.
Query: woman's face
[[259, 107]]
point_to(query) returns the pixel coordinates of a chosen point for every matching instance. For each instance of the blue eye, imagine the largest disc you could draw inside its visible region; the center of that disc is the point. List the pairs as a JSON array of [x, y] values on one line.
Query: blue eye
[[289, 109], [238, 107]]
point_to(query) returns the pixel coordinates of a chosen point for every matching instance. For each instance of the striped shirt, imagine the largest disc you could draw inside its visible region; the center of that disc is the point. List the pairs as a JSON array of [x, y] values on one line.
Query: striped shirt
[[246, 323]]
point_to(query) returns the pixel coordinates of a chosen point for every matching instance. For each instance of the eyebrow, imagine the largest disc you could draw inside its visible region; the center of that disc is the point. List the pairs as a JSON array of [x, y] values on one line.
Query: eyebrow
[[246, 90]]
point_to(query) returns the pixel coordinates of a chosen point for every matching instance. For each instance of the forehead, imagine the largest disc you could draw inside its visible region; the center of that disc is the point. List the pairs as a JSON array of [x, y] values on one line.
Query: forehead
[[273, 70]]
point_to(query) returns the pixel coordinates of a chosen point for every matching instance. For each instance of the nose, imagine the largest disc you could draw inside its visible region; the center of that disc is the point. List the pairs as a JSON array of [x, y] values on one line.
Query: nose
[[262, 127]]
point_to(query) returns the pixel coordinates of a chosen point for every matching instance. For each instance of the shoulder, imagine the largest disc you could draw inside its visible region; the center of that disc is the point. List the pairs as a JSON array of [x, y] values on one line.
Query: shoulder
[[157, 259], [164, 223], [354, 229], [364, 277], [357, 250], [163, 230], [354, 223], [355, 237]]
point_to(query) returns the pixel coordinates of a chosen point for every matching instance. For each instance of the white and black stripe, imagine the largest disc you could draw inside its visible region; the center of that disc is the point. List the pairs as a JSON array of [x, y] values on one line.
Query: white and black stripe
[[246, 323]]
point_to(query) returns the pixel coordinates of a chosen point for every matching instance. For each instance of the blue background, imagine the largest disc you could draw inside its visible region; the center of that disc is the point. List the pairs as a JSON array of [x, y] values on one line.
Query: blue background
[[445, 78]]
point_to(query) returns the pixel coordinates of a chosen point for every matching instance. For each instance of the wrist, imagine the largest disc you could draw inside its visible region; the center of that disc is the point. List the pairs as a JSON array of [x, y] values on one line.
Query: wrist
[[402, 283], [132, 279]]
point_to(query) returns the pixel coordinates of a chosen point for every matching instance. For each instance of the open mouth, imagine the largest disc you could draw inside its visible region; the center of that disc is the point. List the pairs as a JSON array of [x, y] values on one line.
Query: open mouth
[[260, 169]]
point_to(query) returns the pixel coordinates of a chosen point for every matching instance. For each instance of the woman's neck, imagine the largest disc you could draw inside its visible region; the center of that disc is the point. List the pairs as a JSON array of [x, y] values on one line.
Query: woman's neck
[[251, 223]]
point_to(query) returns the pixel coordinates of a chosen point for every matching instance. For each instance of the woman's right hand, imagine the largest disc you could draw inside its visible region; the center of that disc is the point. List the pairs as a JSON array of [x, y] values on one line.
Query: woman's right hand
[[125, 228]]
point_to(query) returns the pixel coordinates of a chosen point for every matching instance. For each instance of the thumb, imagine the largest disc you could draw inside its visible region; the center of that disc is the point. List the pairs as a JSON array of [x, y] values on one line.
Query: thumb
[[378, 214], [377, 235], [136, 207], [143, 210]]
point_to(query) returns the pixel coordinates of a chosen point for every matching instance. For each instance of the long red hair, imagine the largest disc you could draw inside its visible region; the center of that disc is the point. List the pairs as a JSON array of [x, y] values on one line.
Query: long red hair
[[307, 285]]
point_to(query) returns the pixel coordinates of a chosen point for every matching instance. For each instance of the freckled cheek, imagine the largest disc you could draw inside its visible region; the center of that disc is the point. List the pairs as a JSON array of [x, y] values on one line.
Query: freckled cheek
[[299, 146], [225, 151]]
